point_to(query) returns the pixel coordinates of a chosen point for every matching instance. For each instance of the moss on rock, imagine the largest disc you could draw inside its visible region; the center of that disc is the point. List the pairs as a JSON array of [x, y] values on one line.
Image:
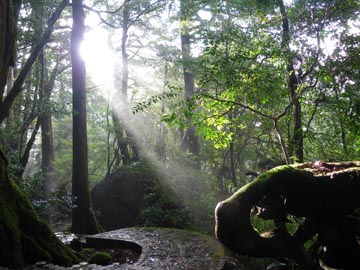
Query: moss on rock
[[100, 258], [135, 195]]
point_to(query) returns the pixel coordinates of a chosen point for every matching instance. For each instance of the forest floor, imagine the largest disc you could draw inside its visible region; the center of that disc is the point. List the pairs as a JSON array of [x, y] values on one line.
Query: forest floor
[[154, 249], [165, 248], [151, 248]]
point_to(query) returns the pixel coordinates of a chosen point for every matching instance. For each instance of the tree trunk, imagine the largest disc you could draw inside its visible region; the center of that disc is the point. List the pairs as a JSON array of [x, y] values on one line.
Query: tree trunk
[[48, 158], [232, 163], [26, 154], [296, 145], [160, 146], [7, 102], [233, 175], [120, 112], [83, 218], [24, 238], [190, 142], [122, 145], [124, 55], [47, 142], [9, 14]]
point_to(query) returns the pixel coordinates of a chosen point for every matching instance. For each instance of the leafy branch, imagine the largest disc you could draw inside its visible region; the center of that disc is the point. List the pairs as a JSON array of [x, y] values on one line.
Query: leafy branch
[[152, 100]]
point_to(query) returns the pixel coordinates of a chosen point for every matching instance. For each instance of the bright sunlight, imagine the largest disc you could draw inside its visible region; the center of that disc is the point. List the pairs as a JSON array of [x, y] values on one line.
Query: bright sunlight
[[98, 57]]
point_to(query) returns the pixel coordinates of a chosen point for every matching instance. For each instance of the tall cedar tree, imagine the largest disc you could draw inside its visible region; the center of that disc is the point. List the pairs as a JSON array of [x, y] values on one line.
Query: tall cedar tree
[[83, 218]]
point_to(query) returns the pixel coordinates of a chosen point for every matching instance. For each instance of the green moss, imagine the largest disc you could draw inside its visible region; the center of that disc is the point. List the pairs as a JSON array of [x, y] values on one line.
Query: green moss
[[100, 258], [218, 252], [33, 251], [10, 246], [24, 238], [86, 252], [264, 182]]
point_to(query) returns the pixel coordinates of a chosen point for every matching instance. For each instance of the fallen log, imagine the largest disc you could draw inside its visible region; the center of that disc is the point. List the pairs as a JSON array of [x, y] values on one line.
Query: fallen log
[[325, 195]]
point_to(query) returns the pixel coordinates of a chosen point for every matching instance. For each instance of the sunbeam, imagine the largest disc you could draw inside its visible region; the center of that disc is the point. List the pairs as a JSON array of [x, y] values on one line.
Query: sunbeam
[[99, 58], [104, 69]]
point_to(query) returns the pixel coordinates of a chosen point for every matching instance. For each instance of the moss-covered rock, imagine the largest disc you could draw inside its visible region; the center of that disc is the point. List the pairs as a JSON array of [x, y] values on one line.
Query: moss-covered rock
[[325, 195], [86, 252], [135, 195], [100, 258], [24, 238]]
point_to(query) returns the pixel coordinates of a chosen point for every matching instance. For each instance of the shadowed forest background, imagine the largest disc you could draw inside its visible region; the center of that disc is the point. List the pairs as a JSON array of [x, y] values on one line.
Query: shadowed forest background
[[147, 113]]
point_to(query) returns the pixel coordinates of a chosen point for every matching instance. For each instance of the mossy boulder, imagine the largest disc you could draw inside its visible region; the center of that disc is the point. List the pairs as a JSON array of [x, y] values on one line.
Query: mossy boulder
[[100, 258], [24, 238], [135, 195]]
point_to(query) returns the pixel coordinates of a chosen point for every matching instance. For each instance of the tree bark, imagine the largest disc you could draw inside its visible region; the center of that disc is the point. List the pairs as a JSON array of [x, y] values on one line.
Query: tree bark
[[9, 14], [83, 218]]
